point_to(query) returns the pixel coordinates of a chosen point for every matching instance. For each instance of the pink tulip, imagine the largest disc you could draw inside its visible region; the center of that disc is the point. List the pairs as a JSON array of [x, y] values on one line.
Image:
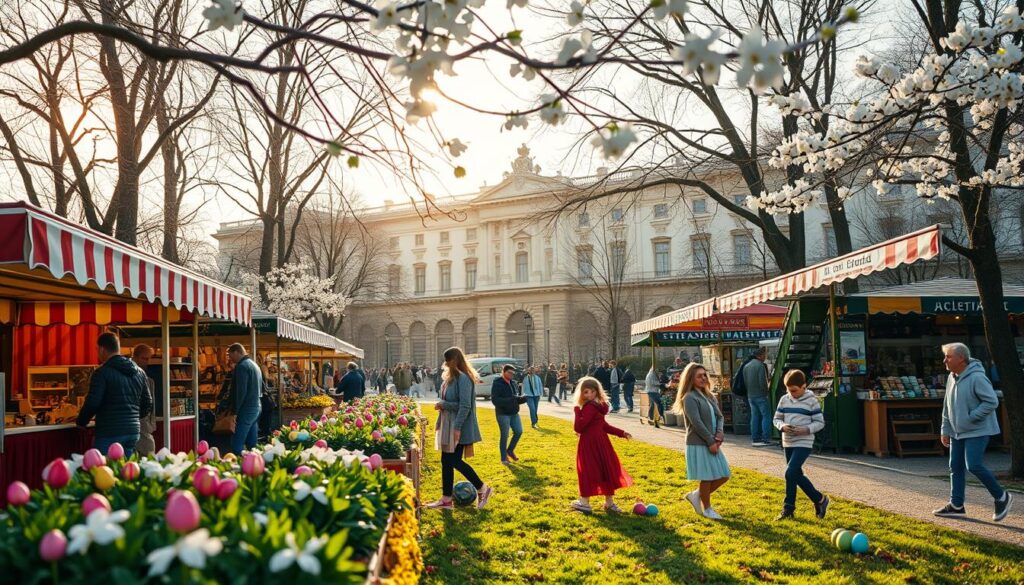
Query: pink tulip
[[377, 436], [294, 425], [115, 452], [277, 433], [53, 546], [57, 474], [405, 410], [94, 502], [376, 461], [202, 447], [403, 421], [227, 486], [369, 418], [206, 481], [320, 443], [323, 419], [253, 464], [367, 465], [348, 410], [130, 471], [93, 458], [359, 423], [303, 470], [182, 512], [312, 425], [18, 494]]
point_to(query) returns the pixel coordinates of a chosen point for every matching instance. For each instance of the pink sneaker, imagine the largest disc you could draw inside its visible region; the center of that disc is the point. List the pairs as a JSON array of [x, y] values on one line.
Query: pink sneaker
[[440, 505], [485, 494]]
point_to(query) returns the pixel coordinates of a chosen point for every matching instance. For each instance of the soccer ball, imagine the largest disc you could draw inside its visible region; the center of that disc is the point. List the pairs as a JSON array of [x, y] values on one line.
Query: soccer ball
[[463, 494]]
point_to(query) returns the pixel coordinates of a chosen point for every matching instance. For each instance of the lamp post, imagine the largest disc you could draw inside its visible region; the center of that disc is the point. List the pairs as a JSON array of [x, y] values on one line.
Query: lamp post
[[387, 351], [529, 323]]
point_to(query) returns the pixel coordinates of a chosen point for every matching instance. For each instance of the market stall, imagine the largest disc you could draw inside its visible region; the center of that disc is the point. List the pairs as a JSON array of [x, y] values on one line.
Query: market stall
[[282, 348], [891, 342], [61, 285], [725, 340]]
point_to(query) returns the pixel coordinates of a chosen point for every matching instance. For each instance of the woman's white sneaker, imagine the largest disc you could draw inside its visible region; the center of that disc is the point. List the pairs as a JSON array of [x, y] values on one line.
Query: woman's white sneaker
[[694, 499], [710, 513]]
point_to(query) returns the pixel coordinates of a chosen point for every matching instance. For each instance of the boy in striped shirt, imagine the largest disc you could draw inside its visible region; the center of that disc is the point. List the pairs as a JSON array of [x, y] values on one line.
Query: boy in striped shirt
[[799, 417]]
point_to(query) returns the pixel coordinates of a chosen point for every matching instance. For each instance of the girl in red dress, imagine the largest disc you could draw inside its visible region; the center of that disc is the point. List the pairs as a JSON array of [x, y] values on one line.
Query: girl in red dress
[[597, 465]]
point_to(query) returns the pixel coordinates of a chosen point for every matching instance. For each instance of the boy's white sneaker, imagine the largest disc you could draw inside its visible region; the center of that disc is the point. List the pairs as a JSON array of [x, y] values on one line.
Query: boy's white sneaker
[[694, 499], [710, 513]]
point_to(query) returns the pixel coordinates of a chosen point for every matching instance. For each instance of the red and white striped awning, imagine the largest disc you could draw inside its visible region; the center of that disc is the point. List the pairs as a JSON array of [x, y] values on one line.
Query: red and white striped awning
[[39, 239], [701, 310], [920, 245]]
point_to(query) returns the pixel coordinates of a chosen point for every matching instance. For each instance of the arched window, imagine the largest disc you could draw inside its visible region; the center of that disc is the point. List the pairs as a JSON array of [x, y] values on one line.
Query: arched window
[[469, 339], [444, 336], [519, 335], [418, 342]]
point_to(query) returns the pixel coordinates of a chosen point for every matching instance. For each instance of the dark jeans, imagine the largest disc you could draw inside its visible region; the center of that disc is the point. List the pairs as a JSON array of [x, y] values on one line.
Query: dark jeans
[[613, 396], [552, 395], [449, 463], [760, 419], [655, 403], [533, 402], [968, 455], [563, 389], [127, 441], [508, 422], [627, 395], [246, 432], [795, 457]]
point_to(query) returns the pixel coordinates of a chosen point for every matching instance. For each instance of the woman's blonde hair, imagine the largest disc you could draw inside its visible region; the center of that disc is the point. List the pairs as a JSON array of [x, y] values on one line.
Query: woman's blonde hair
[[686, 384], [588, 382], [454, 354]]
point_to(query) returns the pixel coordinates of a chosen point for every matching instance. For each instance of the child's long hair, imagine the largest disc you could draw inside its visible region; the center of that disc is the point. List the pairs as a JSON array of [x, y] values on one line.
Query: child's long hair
[[461, 365], [589, 382], [686, 384]]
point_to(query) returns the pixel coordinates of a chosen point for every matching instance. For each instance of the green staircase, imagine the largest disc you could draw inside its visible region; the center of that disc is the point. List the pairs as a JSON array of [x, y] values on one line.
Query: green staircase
[[802, 338]]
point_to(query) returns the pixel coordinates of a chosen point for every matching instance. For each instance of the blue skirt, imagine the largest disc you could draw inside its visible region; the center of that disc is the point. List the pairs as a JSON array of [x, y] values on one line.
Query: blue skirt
[[701, 465]]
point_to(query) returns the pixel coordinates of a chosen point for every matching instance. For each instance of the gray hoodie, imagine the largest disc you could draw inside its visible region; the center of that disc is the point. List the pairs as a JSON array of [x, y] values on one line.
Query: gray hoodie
[[651, 383], [969, 409]]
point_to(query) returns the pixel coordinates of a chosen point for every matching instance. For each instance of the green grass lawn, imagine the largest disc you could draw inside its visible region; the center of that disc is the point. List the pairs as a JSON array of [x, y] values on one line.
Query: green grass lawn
[[527, 533]]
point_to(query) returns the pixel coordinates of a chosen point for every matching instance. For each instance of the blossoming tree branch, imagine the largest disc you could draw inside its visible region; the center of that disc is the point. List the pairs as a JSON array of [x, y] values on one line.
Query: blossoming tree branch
[[430, 38]]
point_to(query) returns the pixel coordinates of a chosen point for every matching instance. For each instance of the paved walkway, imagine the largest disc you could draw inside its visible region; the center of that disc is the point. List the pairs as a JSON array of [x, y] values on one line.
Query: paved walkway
[[906, 487]]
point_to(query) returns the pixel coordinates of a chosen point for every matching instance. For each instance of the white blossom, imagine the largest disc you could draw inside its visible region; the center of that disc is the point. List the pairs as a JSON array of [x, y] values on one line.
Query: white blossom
[[528, 73], [224, 13], [192, 550], [387, 15], [571, 46], [274, 449], [516, 121], [673, 8], [760, 62], [303, 491], [575, 15], [304, 557], [295, 291], [615, 141], [101, 527], [696, 55], [552, 112], [456, 147]]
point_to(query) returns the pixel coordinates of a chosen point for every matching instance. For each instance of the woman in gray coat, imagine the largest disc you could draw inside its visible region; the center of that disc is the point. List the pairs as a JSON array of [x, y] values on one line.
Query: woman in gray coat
[[457, 430], [702, 419]]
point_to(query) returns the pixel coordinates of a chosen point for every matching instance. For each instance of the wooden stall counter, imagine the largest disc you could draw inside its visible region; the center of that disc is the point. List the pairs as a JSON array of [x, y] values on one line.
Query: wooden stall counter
[[922, 433]]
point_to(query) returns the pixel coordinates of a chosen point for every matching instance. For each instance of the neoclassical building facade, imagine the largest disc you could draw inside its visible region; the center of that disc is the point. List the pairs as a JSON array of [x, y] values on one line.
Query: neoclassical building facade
[[500, 275]]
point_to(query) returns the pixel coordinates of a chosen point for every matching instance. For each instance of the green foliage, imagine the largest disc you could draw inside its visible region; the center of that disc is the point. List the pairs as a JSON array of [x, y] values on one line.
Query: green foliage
[[383, 414], [527, 533]]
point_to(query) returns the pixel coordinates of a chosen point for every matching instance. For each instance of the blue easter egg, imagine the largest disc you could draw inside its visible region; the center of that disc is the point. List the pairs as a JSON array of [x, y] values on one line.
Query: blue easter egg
[[859, 544], [652, 510]]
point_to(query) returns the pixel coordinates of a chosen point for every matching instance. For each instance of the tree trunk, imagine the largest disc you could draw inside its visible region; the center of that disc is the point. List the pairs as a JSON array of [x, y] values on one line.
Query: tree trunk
[[266, 253], [171, 176], [999, 336]]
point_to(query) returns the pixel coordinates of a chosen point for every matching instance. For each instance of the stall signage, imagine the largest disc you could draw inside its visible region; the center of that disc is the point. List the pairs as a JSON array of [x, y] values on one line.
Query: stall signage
[[965, 305], [725, 322], [716, 335]]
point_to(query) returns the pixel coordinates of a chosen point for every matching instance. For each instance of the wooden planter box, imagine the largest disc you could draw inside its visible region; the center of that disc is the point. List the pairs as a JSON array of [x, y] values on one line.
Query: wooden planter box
[[375, 568], [301, 414], [409, 467]]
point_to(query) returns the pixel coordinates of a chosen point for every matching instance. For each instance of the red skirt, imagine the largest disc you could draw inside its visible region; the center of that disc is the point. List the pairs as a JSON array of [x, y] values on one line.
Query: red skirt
[[598, 467]]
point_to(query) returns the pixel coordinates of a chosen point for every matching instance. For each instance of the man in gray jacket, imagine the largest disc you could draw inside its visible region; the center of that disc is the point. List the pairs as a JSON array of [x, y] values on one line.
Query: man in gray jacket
[[968, 420], [246, 387], [755, 378]]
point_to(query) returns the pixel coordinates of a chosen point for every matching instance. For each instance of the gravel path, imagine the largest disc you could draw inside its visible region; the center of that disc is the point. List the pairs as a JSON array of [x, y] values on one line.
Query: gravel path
[[875, 482]]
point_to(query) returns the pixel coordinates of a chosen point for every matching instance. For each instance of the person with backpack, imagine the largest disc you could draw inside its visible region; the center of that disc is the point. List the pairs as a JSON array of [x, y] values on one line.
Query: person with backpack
[[751, 382]]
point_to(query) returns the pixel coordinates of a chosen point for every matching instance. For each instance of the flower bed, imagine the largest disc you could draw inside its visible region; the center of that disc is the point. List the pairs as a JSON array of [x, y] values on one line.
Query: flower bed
[[273, 517], [385, 425]]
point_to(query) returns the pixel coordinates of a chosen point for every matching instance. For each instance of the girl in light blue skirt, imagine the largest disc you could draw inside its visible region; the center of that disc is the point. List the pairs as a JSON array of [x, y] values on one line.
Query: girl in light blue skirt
[[703, 422]]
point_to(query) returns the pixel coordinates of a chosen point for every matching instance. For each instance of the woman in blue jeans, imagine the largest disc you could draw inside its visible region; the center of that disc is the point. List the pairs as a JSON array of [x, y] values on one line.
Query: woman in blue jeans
[[506, 402]]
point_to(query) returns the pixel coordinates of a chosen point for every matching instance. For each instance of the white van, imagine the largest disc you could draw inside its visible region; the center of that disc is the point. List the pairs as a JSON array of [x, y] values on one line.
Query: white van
[[489, 368]]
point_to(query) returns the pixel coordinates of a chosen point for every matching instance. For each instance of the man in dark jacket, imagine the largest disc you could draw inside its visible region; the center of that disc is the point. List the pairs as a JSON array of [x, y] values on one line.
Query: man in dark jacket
[[628, 383], [506, 398], [118, 398], [350, 386], [246, 387], [551, 383]]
